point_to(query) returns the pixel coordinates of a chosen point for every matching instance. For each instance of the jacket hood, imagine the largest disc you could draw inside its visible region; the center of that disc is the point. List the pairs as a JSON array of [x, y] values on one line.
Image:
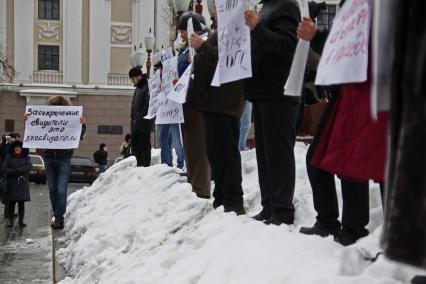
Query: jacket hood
[[143, 81], [11, 150]]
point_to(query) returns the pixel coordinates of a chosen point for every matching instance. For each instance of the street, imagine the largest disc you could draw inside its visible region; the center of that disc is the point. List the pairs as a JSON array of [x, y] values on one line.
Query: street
[[26, 254]]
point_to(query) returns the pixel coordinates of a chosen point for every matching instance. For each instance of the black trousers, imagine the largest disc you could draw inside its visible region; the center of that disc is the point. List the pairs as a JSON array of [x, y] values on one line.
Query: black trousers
[[355, 195], [141, 147], [11, 209], [223, 133], [275, 134]]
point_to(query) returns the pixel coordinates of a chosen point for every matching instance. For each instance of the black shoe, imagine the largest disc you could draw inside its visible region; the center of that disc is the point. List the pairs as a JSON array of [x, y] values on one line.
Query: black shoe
[[58, 225], [203, 196], [217, 203], [262, 215], [22, 224], [238, 209], [419, 279], [278, 220], [345, 238], [319, 231]]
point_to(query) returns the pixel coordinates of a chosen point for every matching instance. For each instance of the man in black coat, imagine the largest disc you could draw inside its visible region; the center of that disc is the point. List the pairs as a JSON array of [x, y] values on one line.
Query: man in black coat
[[273, 41], [101, 157], [140, 127]]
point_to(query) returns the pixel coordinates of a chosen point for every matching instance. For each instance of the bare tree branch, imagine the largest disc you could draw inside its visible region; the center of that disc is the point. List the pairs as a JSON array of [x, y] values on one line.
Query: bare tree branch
[[7, 71]]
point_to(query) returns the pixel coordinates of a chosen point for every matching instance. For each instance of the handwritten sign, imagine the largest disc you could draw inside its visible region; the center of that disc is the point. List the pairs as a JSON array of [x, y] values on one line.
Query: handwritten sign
[[294, 84], [180, 90], [166, 54], [53, 127], [345, 55], [168, 111], [154, 89], [233, 42]]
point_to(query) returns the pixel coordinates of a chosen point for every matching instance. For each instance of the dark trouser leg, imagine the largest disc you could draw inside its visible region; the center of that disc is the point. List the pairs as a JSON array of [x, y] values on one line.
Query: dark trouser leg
[[52, 171], [222, 142], [11, 208], [382, 194], [21, 211], [356, 207], [141, 146], [278, 125]]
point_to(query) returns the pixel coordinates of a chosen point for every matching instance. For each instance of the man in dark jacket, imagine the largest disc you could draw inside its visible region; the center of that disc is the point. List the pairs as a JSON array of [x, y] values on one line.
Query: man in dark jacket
[[140, 127], [273, 40], [222, 108], [101, 157]]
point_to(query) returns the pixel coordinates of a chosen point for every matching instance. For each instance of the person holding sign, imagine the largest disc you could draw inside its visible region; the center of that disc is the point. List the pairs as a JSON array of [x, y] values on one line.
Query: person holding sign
[[57, 160], [141, 127], [273, 41], [222, 108], [194, 130]]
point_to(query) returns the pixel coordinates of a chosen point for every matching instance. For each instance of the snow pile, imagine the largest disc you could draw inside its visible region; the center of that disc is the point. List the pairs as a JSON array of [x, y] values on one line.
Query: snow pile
[[144, 225]]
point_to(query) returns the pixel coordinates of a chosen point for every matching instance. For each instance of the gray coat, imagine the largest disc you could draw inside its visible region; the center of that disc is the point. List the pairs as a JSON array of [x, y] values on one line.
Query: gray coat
[[17, 175]]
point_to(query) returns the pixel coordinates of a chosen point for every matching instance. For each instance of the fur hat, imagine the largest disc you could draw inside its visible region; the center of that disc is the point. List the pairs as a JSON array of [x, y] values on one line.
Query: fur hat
[[58, 101], [15, 144]]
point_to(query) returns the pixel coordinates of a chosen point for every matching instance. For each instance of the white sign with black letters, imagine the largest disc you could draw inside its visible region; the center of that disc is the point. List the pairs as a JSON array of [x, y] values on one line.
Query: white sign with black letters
[[233, 42], [53, 127]]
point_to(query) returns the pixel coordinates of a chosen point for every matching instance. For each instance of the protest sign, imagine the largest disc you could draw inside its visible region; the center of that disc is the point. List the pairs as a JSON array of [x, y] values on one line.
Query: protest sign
[[180, 90], [168, 111], [294, 84], [53, 127], [190, 30], [345, 55], [154, 89], [166, 54], [234, 61]]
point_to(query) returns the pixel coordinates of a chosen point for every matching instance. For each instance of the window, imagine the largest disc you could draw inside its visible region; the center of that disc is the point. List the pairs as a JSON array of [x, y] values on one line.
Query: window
[[48, 9], [9, 125], [110, 129], [325, 18], [48, 57]]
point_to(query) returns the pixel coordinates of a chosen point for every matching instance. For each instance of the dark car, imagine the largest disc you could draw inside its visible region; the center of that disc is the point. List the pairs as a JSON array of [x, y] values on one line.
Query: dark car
[[38, 171], [83, 170]]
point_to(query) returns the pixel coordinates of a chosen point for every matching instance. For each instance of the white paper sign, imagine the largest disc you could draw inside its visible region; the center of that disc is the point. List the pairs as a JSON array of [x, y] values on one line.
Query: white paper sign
[[166, 54], [345, 55], [190, 31], [168, 111], [180, 90], [294, 84], [233, 42], [53, 127], [154, 89]]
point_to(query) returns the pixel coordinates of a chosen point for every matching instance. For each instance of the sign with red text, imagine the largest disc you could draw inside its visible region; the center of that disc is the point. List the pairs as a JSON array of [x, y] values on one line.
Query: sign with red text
[[53, 127], [345, 55]]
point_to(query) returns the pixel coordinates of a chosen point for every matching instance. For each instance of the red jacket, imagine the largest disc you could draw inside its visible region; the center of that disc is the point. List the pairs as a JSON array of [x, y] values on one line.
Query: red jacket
[[352, 144]]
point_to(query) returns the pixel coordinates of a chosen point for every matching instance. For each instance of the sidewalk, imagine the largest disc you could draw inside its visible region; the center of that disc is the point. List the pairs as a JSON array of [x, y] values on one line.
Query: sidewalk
[[26, 253]]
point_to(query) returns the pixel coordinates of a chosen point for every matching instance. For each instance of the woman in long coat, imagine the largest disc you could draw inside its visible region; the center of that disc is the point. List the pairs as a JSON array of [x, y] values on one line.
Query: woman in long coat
[[17, 168]]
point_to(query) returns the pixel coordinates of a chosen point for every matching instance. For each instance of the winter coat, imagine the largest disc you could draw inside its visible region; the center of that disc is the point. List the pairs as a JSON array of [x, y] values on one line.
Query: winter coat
[[140, 105], [17, 171], [404, 228], [226, 99], [273, 44], [352, 144], [63, 153], [101, 157]]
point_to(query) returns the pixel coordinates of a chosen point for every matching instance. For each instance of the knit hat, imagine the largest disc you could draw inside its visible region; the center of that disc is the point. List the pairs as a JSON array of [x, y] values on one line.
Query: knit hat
[[135, 71]]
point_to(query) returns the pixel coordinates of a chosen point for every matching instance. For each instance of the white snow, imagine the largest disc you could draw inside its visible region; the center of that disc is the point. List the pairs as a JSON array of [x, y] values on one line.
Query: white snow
[[144, 225]]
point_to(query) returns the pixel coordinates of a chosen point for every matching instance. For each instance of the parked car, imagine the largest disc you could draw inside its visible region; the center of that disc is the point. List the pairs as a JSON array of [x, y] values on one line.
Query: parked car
[[38, 171], [83, 170]]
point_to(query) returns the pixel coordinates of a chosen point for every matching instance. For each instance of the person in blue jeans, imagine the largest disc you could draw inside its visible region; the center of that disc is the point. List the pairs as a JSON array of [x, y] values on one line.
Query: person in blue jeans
[[169, 134], [245, 123], [58, 170]]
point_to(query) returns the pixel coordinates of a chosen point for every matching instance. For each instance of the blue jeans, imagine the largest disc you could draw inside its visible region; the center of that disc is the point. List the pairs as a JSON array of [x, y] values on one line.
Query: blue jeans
[[58, 171], [169, 134], [245, 122], [102, 168]]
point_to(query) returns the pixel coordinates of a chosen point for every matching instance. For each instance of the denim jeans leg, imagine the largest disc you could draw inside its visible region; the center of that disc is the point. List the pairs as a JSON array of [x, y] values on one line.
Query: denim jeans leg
[[164, 141], [177, 142], [64, 171], [52, 181], [245, 122]]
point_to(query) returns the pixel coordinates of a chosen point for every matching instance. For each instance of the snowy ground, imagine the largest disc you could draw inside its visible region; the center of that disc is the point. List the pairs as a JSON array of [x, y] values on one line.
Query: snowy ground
[[144, 225]]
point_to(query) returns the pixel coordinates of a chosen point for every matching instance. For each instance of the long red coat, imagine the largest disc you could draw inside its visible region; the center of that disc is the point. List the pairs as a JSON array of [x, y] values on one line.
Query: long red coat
[[352, 144]]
